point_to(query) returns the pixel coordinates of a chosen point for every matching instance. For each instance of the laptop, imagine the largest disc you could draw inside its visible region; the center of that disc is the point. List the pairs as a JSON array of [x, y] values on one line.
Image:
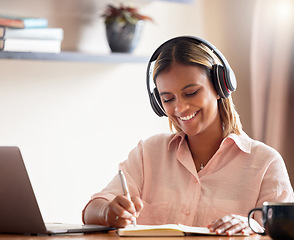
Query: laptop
[[19, 210]]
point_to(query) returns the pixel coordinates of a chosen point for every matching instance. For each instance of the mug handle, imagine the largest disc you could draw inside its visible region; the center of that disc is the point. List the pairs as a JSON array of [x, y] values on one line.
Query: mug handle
[[249, 220]]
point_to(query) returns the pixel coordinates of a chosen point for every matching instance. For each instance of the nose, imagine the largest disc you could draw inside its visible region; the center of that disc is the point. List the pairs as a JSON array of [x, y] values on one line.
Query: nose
[[181, 105]]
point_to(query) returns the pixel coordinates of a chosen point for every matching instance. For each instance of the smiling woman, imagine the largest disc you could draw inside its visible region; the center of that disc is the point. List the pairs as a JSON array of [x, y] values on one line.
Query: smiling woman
[[207, 174], [194, 91], [187, 54], [191, 103]]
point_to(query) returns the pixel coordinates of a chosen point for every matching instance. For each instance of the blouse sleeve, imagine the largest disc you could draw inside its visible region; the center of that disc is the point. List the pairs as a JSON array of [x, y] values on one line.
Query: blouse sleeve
[[276, 186]]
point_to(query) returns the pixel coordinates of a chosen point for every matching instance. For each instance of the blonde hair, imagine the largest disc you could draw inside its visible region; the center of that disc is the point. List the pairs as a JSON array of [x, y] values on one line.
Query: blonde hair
[[191, 53]]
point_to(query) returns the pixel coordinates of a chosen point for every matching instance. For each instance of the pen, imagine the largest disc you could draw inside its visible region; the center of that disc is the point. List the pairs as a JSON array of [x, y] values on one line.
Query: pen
[[126, 191]]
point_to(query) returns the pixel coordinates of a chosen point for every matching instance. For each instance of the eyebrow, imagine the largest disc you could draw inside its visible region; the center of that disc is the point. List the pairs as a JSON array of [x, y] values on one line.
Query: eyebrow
[[189, 85]]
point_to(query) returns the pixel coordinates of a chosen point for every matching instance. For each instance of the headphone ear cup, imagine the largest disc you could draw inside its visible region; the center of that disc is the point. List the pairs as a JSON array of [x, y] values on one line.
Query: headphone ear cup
[[219, 81], [156, 103]]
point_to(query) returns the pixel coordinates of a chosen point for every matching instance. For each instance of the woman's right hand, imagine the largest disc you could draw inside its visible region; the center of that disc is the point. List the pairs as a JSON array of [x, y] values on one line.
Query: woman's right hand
[[120, 211]]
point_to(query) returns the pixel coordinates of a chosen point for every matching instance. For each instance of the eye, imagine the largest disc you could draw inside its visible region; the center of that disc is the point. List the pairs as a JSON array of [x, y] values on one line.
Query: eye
[[167, 100], [192, 94]]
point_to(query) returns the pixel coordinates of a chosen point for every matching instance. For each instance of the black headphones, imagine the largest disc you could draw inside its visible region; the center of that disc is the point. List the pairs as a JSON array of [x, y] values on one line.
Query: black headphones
[[223, 77]]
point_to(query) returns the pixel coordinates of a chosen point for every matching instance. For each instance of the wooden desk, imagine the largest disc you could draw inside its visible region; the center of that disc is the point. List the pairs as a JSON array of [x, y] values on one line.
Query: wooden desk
[[114, 236]]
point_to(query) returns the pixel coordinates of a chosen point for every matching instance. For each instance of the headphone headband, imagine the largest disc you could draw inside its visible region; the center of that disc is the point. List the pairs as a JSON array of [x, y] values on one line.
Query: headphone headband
[[223, 76]]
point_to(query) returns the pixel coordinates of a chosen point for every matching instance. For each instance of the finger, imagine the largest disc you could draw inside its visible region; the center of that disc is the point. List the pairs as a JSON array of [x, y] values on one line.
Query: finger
[[117, 216], [122, 213], [236, 228], [138, 204], [120, 222], [247, 231], [127, 204], [113, 213], [227, 225], [220, 222], [121, 204], [117, 208]]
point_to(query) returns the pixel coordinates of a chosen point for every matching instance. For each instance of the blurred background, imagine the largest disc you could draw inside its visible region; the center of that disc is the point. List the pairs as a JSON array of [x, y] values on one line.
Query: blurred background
[[75, 121]]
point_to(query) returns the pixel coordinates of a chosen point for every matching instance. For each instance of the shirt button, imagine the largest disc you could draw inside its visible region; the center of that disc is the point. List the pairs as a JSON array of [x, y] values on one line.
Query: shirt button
[[187, 212], [195, 180]]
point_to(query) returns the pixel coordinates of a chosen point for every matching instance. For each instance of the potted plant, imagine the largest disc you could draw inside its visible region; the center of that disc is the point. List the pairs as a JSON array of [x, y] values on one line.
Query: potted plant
[[123, 27]]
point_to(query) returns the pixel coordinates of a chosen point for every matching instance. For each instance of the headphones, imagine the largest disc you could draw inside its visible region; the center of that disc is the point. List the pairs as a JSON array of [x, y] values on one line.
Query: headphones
[[223, 77]]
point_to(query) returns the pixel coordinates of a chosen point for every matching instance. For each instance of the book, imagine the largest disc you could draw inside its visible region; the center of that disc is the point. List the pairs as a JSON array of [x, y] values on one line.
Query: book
[[30, 45], [32, 33], [22, 22], [166, 230]]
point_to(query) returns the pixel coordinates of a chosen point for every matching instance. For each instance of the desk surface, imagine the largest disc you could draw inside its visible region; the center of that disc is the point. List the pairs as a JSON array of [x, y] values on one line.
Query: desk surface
[[113, 236]]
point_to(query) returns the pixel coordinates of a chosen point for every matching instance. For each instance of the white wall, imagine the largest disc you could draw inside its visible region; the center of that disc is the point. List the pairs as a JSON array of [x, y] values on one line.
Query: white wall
[[74, 122]]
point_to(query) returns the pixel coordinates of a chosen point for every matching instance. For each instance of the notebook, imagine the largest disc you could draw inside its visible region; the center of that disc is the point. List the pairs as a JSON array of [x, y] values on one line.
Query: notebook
[[166, 230], [19, 210]]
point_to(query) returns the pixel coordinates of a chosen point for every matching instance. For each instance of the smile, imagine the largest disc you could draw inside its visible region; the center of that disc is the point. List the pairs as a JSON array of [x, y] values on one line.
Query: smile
[[186, 118]]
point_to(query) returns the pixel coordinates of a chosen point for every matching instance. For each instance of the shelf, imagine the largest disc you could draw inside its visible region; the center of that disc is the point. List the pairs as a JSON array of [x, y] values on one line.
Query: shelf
[[176, 1], [76, 57]]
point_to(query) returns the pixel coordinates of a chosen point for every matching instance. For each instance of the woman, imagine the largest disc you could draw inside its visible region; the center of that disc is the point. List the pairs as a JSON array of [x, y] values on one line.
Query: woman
[[207, 173]]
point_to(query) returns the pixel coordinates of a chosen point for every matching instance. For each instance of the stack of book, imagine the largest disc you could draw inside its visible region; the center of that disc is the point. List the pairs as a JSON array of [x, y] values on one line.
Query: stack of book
[[23, 34]]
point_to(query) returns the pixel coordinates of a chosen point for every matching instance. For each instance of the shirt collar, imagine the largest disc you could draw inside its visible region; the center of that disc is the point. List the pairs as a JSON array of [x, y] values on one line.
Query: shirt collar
[[242, 141], [177, 139]]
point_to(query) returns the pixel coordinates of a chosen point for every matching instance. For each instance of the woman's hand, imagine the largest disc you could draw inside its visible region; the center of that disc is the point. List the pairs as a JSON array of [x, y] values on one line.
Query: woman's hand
[[230, 225], [120, 211]]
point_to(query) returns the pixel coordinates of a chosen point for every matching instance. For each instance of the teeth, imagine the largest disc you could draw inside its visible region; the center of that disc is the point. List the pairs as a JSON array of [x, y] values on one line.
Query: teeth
[[188, 117]]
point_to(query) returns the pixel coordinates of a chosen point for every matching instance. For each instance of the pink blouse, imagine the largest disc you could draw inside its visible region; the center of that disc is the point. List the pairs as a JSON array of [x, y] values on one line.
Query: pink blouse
[[241, 175]]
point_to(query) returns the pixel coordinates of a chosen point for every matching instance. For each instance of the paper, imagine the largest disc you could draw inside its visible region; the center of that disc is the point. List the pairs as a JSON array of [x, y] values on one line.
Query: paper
[[166, 230]]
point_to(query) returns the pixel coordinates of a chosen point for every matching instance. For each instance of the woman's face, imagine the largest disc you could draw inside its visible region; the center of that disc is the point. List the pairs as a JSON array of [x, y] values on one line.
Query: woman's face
[[189, 98]]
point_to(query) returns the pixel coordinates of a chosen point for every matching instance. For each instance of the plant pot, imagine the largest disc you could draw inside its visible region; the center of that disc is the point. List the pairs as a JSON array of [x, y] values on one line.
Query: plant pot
[[123, 37]]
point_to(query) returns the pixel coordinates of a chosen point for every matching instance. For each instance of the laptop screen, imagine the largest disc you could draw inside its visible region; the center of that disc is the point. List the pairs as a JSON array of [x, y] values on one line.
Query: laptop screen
[[18, 206]]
